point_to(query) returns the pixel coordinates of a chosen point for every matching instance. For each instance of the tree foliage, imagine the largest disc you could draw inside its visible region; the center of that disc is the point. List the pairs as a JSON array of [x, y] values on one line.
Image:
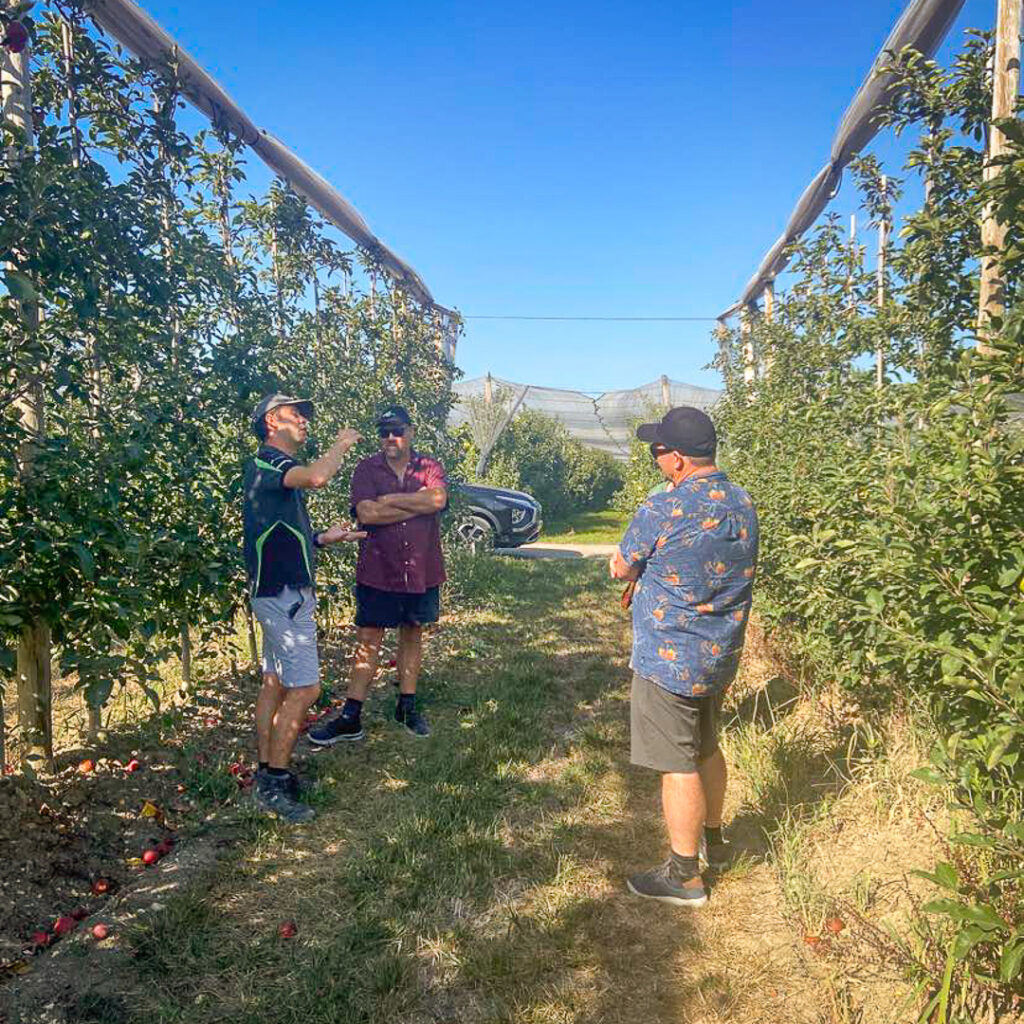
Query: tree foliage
[[893, 552], [169, 304]]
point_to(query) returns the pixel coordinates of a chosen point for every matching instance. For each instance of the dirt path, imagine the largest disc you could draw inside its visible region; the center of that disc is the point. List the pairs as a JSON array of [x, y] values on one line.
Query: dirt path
[[540, 549], [476, 877]]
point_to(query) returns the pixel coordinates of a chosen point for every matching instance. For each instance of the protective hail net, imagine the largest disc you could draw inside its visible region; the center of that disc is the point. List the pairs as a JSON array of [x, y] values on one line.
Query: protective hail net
[[604, 421]]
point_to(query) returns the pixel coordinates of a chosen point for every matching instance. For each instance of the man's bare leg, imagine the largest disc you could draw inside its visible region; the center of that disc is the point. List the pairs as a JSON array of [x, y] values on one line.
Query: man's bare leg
[[267, 702], [713, 777], [288, 721], [410, 657], [682, 798], [364, 661]]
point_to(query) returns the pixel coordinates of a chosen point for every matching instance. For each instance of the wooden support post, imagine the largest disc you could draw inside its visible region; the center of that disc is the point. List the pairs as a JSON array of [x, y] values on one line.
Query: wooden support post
[[747, 336], [769, 316], [883, 245], [666, 394], [1005, 89], [488, 390], [33, 671]]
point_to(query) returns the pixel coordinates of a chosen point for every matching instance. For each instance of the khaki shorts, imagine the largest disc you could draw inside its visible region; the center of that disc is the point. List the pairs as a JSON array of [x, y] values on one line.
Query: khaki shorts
[[670, 733]]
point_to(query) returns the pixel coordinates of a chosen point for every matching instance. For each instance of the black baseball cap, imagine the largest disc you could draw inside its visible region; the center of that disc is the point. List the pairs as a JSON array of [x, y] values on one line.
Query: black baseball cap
[[394, 416], [683, 429], [275, 401]]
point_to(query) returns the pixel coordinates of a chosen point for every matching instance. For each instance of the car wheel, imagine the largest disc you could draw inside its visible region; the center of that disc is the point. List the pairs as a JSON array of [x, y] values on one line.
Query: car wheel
[[475, 532]]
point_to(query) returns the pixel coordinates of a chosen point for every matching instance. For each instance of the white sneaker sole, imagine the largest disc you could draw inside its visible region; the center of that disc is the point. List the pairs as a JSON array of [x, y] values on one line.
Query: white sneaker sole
[[676, 901]]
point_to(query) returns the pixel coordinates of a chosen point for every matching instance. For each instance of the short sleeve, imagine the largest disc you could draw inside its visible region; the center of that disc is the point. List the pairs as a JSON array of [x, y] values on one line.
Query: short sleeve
[[434, 474], [641, 537], [363, 488], [271, 467]]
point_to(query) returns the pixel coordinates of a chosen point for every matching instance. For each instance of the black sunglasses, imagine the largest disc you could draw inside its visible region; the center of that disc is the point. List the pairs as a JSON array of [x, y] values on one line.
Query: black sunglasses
[[385, 432], [657, 450]]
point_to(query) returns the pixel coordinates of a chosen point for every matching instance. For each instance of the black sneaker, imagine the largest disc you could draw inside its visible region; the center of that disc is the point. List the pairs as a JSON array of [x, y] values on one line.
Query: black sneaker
[[274, 795], [339, 728], [412, 720], [658, 884]]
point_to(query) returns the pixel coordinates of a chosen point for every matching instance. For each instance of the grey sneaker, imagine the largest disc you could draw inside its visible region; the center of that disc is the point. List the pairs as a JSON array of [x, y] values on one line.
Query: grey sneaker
[[274, 795], [298, 785], [658, 884], [413, 721]]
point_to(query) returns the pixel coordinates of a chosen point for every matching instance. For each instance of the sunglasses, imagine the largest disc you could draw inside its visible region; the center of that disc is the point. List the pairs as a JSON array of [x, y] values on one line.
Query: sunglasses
[[657, 450], [386, 432]]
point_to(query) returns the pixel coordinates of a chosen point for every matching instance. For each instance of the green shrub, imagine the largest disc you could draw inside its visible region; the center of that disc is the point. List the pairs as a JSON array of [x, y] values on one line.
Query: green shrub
[[537, 454]]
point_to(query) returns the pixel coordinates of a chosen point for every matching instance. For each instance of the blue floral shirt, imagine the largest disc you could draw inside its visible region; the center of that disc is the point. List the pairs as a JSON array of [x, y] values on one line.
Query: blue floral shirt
[[698, 545]]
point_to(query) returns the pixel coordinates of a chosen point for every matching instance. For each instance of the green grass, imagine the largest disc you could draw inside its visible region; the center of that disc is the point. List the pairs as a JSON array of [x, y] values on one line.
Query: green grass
[[454, 879], [605, 527]]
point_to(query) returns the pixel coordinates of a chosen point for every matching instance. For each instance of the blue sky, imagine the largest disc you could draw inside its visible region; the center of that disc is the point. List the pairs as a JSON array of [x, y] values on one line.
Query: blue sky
[[564, 159]]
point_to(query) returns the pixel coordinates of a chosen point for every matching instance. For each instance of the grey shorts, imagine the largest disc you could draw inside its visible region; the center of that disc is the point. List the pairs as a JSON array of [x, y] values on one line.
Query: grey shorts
[[670, 733], [289, 636]]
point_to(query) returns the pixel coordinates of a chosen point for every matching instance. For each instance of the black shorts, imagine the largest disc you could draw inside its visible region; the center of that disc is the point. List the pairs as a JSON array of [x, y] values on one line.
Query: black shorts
[[385, 609], [670, 733]]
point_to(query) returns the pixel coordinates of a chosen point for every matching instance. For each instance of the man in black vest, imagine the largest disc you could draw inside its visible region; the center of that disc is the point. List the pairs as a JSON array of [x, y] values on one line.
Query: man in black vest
[[280, 558]]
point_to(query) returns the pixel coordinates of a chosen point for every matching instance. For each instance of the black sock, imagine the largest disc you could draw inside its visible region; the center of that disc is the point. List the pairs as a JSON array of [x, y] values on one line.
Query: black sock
[[278, 773], [264, 765], [713, 835], [684, 868], [352, 709], [406, 702]]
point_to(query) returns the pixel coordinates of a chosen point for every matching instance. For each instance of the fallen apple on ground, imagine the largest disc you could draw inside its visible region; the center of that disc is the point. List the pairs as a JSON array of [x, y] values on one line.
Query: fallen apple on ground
[[100, 931], [287, 930], [87, 766], [64, 925], [101, 886], [835, 925], [150, 857]]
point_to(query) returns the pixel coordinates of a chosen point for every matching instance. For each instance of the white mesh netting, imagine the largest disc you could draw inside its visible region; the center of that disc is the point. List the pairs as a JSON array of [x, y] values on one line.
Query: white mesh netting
[[604, 421]]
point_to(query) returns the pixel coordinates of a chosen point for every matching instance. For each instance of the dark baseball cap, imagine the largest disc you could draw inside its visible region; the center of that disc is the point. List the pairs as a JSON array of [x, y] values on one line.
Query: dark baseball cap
[[393, 416], [683, 429], [275, 401]]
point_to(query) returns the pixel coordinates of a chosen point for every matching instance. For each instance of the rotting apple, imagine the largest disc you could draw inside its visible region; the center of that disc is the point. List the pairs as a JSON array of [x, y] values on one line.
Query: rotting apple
[[287, 930]]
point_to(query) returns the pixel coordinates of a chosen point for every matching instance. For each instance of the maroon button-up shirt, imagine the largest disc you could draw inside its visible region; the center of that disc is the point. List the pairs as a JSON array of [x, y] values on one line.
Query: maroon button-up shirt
[[402, 557]]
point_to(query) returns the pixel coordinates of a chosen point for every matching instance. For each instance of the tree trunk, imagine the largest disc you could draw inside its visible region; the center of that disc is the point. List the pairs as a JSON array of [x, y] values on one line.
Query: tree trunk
[[34, 701]]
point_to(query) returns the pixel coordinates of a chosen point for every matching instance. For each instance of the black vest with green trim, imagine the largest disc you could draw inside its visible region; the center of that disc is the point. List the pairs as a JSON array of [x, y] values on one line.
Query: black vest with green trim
[[279, 548]]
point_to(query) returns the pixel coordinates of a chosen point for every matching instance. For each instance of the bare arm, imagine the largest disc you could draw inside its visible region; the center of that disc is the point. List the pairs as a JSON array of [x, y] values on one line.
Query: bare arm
[[318, 473], [422, 502], [376, 513], [620, 570]]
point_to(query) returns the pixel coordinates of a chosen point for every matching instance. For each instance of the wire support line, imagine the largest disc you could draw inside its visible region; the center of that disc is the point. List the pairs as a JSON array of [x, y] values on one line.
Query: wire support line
[[642, 319]]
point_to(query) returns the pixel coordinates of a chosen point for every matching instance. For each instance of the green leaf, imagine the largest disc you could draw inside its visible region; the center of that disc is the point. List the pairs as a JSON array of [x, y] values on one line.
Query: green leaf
[[874, 600], [972, 839], [20, 286], [1011, 960], [980, 914]]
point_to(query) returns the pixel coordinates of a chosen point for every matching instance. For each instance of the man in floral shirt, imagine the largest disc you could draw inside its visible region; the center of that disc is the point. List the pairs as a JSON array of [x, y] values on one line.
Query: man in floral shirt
[[692, 550]]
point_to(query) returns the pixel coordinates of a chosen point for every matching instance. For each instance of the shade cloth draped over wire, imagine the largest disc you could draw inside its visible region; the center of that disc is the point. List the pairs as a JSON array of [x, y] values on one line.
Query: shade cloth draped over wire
[[923, 25]]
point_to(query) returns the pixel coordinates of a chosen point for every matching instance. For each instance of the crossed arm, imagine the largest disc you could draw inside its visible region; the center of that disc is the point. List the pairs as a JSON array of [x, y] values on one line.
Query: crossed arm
[[396, 508]]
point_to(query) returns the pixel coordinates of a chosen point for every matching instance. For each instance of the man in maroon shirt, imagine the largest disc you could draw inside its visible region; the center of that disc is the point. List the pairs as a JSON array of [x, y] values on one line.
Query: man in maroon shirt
[[397, 496]]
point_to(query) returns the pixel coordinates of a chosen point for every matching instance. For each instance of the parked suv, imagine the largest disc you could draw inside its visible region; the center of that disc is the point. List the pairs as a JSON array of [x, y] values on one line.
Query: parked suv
[[496, 516]]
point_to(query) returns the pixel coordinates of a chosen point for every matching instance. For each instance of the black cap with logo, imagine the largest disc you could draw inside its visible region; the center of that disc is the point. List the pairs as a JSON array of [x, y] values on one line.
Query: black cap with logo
[[394, 416], [683, 429], [275, 401]]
